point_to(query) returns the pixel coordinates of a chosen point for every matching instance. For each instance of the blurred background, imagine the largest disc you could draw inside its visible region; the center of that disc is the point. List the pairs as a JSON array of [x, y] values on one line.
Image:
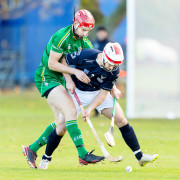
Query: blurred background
[[148, 31], [27, 25], [153, 59]]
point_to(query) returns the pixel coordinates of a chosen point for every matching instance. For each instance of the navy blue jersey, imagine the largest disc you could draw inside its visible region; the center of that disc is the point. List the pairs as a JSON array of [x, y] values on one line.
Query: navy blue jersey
[[85, 60]]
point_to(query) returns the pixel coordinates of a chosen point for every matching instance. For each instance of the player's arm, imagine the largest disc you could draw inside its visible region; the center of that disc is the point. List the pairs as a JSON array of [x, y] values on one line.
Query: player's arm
[[78, 73], [106, 87], [110, 86], [55, 65], [99, 98], [115, 92], [70, 85], [55, 55]]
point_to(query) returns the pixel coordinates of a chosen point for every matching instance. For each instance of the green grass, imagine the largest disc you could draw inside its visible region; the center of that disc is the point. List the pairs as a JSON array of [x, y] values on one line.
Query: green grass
[[24, 116]]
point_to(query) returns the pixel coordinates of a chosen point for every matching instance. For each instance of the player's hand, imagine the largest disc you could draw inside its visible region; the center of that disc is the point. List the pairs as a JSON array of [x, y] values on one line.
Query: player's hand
[[70, 86], [81, 76], [86, 114], [115, 92]]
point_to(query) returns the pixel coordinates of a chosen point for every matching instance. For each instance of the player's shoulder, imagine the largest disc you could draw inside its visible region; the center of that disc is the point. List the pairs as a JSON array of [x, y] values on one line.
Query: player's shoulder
[[86, 39], [63, 33], [90, 52], [87, 43], [64, 30]]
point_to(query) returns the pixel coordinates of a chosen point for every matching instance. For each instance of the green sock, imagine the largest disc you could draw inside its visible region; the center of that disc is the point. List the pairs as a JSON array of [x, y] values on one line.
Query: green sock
[[76, 137], [42, 140]]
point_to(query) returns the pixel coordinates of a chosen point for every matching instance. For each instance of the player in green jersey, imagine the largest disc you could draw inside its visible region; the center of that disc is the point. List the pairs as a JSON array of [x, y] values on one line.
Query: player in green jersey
[[51, 84]]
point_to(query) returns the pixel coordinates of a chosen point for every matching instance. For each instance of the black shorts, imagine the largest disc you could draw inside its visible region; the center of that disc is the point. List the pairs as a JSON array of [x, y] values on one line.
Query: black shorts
[[48, 91]]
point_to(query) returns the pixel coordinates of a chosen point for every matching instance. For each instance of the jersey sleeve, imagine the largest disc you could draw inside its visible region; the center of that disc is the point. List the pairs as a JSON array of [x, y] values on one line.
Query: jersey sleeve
[[108, 84], [58, 41], [87, 43], [74, 58], [55, 45]]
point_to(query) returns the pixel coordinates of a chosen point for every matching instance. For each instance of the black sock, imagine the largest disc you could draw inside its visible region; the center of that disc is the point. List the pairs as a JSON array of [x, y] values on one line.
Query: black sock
[[131, 140], [46, 157], [53, 142]]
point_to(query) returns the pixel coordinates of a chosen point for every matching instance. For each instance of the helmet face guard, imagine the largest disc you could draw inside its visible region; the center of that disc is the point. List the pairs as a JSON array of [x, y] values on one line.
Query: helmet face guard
[[106, 69], [112, 54]]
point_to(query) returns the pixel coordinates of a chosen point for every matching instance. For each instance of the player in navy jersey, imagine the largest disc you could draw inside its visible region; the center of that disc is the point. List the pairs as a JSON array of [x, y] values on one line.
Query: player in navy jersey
[[100, 77], [102, 68]]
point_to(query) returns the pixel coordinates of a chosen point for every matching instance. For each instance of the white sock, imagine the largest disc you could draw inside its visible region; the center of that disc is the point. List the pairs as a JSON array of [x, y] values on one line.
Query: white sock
[[47, 156], [135, 152]]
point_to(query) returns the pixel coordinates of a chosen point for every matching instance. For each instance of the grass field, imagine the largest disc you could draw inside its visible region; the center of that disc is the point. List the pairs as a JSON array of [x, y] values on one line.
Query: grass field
[[24, 116]]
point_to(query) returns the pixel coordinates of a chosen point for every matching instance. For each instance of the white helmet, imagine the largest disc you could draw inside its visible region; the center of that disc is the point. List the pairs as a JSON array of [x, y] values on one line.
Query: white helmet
[[113, 54]]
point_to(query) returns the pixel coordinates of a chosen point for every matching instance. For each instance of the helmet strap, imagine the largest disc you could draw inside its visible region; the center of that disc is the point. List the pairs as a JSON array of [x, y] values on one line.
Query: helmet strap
[[74, 33], [104, 66]]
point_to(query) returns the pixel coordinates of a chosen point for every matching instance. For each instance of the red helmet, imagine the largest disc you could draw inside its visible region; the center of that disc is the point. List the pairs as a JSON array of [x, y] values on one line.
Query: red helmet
[[85, 18]]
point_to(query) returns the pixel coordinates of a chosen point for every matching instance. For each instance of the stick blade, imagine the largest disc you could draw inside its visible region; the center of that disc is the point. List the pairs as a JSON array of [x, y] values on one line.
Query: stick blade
[[110, 139], [114, 159]]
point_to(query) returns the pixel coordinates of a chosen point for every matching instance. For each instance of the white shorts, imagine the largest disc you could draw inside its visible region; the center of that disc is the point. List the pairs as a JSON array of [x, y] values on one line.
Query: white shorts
[[86, 98]]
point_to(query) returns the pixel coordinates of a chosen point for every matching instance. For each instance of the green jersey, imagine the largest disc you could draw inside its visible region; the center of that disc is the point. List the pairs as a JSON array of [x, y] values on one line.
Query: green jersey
[[63, 41]]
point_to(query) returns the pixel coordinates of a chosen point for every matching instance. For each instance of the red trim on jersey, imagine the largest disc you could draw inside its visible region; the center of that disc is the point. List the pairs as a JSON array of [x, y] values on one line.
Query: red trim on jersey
[[112, 61]]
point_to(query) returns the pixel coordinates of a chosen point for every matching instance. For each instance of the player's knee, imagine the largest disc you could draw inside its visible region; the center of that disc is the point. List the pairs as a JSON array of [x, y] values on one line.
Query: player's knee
[[121, 121], [59, 121], [61, 130]]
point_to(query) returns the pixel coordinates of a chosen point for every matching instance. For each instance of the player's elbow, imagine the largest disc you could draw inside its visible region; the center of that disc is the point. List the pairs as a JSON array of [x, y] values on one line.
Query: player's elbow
[[50, 65]]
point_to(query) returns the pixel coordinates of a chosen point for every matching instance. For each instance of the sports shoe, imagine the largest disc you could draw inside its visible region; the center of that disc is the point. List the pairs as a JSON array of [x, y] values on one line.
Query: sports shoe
[[30, 156], [90, 159], [146, 158], [44, 163]]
